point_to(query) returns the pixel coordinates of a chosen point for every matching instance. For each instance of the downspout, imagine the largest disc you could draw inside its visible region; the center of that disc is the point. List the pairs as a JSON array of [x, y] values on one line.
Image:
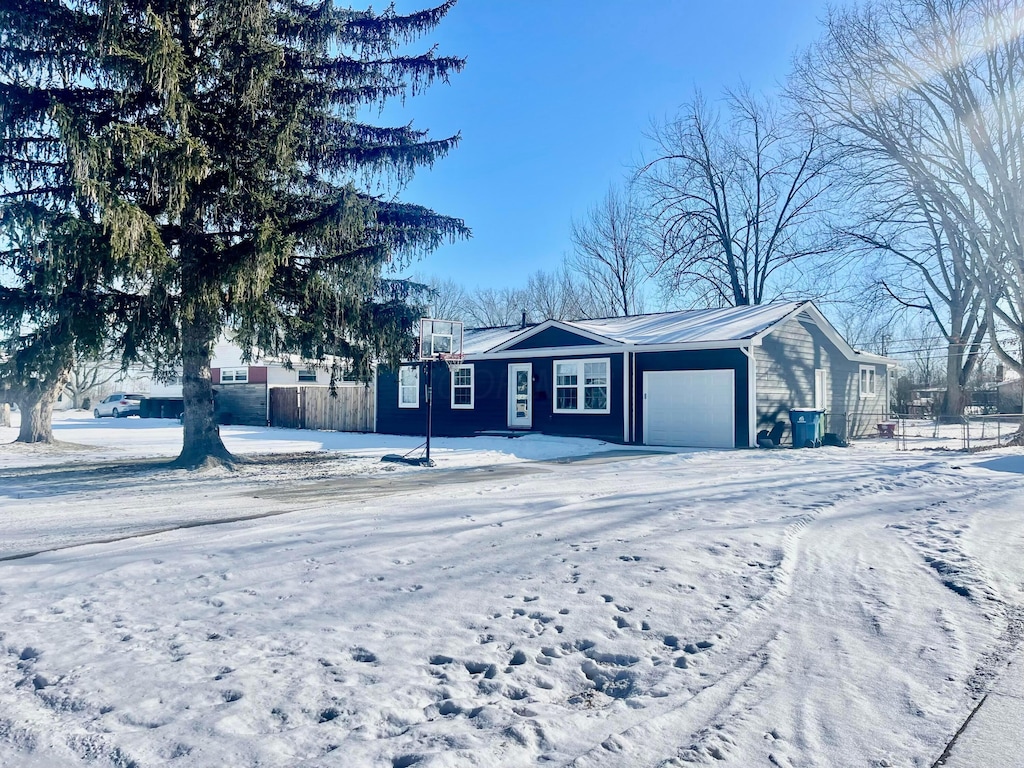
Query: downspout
[[632, 396], [751, 395], [627, 396], [888, 400]]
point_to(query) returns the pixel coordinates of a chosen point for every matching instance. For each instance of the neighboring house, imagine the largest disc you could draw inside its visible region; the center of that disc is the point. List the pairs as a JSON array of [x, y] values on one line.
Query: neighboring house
[[703, 378], [243, 388], [1009, 397]]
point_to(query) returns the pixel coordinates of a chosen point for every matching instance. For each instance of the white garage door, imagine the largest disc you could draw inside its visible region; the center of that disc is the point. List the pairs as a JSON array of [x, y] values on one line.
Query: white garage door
[[689, 408]]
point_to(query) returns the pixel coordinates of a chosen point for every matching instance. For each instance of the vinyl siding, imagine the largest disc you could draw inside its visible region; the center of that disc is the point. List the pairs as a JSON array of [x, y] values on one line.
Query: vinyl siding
[[554, 337], [786, 362], [490, 411]]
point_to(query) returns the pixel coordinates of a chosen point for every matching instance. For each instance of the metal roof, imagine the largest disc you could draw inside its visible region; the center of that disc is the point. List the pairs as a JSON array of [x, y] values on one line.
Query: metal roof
[[692, 329], [476, 341], [693, 326]]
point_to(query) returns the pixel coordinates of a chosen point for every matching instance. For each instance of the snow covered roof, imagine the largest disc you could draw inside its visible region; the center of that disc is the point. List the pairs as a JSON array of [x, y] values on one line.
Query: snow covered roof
[[691, 326], [476, 341]]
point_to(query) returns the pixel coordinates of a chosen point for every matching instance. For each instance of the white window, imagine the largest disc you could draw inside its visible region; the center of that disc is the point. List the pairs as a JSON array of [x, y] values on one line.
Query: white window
[[462, 386], [867, 381], [234, 375], [581, 386], [409, 386], [307, 375]]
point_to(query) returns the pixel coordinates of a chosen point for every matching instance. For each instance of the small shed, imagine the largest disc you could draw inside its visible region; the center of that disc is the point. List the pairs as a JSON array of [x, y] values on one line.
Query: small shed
[[702, 378]]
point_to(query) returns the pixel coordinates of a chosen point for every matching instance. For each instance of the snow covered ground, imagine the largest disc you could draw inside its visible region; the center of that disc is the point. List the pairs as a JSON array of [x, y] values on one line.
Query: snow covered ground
[[748, 608]]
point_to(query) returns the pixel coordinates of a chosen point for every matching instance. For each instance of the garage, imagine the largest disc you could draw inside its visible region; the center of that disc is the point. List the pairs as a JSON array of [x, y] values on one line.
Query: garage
[[690, 408]]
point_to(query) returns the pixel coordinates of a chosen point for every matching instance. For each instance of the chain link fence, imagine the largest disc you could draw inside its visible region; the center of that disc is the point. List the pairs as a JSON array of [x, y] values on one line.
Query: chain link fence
[[971, 432]]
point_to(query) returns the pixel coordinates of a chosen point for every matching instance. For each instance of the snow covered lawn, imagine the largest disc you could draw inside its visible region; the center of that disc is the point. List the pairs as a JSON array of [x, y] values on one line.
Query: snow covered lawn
[[789, 608]]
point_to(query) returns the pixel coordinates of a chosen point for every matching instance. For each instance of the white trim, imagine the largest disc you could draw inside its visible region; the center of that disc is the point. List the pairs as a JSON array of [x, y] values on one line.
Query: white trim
[[871, 379], [581, 386], [472, 386], [416, 370], [235, 371], [627, 396], [511, 396], [869, 357], [751, 396], [632, 396], [822, 387]]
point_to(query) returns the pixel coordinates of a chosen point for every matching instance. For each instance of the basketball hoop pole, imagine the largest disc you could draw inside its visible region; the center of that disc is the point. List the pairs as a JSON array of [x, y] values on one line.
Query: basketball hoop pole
[[439, 340], [429, 364]]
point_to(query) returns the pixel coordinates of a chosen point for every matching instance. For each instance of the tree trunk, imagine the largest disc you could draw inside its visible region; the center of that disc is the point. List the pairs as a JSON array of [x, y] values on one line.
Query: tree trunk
[[954, 400], [202, 445], [5, 415], [36, 407]]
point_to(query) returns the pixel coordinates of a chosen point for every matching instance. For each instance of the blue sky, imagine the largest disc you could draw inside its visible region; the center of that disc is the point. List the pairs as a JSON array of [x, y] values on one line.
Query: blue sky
[[554, 102]]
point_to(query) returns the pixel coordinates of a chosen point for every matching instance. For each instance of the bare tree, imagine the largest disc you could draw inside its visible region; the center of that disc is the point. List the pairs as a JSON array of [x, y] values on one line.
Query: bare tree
[[87, 376], [449, 300], [492, 307], [548, 296], [925, 263], [740, 202], [564, 294], [929, 91], [560, 295], [612, 251]]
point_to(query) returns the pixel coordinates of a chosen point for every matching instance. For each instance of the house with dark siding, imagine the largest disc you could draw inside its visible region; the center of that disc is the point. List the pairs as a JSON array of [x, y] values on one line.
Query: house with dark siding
[[703, 378]]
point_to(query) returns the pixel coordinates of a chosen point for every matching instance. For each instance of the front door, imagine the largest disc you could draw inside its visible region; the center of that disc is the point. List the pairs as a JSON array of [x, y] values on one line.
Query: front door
[[520, 396]]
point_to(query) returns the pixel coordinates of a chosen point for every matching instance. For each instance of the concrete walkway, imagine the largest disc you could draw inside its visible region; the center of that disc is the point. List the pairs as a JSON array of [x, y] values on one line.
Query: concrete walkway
[[994, 735]]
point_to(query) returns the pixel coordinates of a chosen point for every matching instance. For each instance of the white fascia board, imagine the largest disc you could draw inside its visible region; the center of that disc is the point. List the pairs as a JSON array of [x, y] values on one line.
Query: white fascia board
[[567, 327], [869, 357], [814, 314], [596, 350]]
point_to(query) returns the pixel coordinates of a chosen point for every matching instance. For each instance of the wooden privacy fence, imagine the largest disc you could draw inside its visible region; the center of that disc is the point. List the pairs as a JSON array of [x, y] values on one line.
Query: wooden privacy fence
[[351, 410]]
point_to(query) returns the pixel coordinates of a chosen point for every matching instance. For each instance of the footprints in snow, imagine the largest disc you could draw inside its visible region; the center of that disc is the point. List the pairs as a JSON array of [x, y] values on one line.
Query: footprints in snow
[[938, 541]]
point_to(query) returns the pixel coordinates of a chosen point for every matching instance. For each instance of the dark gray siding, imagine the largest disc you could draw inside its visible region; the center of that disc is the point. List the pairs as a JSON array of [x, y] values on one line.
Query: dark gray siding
[[554, 337], [786, 364], [696, 360], [490, 411], [242, 404]]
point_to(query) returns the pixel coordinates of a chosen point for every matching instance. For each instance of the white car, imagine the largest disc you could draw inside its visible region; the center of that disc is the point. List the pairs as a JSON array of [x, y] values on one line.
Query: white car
[[117, 405]]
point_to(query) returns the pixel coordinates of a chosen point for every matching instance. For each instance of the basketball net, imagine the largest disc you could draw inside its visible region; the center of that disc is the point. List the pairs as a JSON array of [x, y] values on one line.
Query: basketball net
[[452, 359]]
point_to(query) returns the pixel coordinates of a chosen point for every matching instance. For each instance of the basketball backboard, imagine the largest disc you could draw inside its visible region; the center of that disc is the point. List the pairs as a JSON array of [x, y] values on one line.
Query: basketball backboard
[[440, 338]]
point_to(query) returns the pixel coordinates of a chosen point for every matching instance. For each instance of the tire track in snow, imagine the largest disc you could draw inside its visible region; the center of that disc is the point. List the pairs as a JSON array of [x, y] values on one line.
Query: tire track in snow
[[760, 637]]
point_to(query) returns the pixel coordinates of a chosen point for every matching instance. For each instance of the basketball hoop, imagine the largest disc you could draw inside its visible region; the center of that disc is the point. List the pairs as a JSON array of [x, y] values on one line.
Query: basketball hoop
[[453, 360], [440, 339]]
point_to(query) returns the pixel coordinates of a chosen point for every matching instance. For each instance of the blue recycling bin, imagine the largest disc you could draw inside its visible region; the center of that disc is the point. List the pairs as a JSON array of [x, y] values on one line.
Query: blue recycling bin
[[805, 423]]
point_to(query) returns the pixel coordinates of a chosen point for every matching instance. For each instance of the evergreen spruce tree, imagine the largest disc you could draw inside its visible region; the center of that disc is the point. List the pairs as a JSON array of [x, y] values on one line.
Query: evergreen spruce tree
[[236, 181], [67, 268]]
